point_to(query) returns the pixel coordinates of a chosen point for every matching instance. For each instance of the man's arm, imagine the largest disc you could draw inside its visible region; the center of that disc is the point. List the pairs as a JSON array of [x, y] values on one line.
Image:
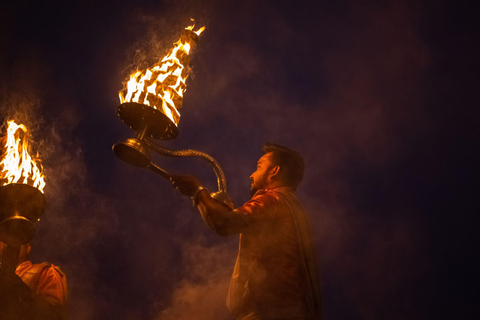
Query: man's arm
[[220, 218], [18, 301]]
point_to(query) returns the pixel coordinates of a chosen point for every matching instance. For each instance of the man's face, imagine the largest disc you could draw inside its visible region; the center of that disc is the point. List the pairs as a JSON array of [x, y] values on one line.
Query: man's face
[[24, 251], [259, 179]]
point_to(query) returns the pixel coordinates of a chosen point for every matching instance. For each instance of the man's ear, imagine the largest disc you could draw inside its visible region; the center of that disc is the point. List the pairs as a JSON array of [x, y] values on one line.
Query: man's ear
[[275, 171]]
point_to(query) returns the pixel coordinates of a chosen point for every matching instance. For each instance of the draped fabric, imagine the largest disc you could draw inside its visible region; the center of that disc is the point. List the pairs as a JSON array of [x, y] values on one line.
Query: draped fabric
[[46, 281], [275, 274]]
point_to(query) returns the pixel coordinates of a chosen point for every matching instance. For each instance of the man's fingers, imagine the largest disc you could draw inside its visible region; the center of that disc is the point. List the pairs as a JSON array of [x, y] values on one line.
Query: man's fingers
[[185, 184]]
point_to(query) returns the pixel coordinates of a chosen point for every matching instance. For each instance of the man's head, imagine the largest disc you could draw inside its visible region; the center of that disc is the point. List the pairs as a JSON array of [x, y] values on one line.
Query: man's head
[[279, 166], [24, 251]]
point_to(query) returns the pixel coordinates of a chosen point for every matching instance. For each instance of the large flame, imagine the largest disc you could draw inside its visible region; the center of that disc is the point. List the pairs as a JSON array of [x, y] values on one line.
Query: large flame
[[16, 164], [163, 85]]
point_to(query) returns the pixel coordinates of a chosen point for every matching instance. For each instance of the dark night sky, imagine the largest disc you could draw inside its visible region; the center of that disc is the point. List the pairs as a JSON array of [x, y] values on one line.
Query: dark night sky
[[381, 98]]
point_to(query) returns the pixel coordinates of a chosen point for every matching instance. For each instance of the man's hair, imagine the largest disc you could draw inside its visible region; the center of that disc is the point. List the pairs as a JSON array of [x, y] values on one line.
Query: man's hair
[[289, 161]]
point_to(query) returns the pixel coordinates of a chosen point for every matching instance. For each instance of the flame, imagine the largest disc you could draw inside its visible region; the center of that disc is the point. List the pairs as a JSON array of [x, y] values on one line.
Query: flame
[[16, 165], [162, 86]]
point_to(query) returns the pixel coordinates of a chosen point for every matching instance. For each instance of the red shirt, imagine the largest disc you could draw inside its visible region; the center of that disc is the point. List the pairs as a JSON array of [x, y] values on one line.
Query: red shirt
[[268, 281]]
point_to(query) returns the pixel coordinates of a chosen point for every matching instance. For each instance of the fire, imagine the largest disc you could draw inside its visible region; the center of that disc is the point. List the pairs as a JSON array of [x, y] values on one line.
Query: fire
[[16, 164], [162, 86]]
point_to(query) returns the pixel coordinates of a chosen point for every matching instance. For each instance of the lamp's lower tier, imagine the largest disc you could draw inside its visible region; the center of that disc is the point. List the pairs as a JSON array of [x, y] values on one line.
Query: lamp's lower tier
[[140, 117], [21, 206]]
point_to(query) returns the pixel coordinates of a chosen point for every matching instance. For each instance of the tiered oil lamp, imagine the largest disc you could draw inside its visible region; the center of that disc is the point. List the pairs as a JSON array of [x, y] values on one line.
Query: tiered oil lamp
[[150, 107], [22, 201]]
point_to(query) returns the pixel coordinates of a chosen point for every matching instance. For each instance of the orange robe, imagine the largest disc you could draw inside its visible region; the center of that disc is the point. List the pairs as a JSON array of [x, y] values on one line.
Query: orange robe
[[47, 281]]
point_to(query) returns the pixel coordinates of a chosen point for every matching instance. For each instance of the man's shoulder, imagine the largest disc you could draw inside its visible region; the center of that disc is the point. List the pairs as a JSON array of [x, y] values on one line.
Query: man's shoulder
[[275, 192], [268, 203], [50, 269], [275, 195], [282, 198], [32, 272], [42, 267], [264, 198]]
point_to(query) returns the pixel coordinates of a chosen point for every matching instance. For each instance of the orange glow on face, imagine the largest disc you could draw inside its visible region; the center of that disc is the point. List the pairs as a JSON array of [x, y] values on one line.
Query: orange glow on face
[[162, 86], [16, 164]]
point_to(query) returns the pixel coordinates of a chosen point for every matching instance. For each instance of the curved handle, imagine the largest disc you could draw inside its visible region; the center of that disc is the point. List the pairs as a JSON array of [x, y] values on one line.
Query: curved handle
[[221, 180]]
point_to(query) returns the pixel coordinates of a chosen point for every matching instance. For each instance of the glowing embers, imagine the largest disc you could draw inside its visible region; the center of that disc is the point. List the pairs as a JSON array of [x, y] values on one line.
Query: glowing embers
[[16, 164], [162, 86]]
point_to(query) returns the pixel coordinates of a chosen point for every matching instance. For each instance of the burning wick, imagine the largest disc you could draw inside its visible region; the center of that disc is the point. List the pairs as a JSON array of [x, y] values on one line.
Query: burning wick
[[16, 164], [150, 107], [162, 86]]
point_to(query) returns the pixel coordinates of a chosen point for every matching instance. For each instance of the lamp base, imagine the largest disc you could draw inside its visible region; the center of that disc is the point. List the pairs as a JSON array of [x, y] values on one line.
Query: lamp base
[[139, 116], [133, 151], [21, 206]]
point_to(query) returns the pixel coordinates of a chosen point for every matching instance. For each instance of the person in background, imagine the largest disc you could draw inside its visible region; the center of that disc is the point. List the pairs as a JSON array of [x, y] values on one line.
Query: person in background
[[275, 275], [35, 292]]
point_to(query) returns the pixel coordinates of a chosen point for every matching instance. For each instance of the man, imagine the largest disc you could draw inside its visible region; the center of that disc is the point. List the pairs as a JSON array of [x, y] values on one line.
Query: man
[[36, 292], [275, 274]]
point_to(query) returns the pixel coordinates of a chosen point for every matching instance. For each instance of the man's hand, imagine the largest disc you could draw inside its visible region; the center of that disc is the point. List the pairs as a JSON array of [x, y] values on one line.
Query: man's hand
[[216, 214], [187, 185]]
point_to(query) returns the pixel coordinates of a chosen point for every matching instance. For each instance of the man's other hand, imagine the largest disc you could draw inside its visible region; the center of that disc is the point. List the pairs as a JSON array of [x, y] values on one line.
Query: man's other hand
[[186, 184]]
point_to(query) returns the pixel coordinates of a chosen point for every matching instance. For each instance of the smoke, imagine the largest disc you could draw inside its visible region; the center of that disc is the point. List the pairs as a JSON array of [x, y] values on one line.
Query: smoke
[[77, 218], [202, 291], [76, 214], [347, 118], [340, 91], [341, 85]]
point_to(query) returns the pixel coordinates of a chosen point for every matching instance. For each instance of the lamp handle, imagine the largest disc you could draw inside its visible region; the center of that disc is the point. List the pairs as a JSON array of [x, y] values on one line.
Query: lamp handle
[[221, 180], [159, 171]]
